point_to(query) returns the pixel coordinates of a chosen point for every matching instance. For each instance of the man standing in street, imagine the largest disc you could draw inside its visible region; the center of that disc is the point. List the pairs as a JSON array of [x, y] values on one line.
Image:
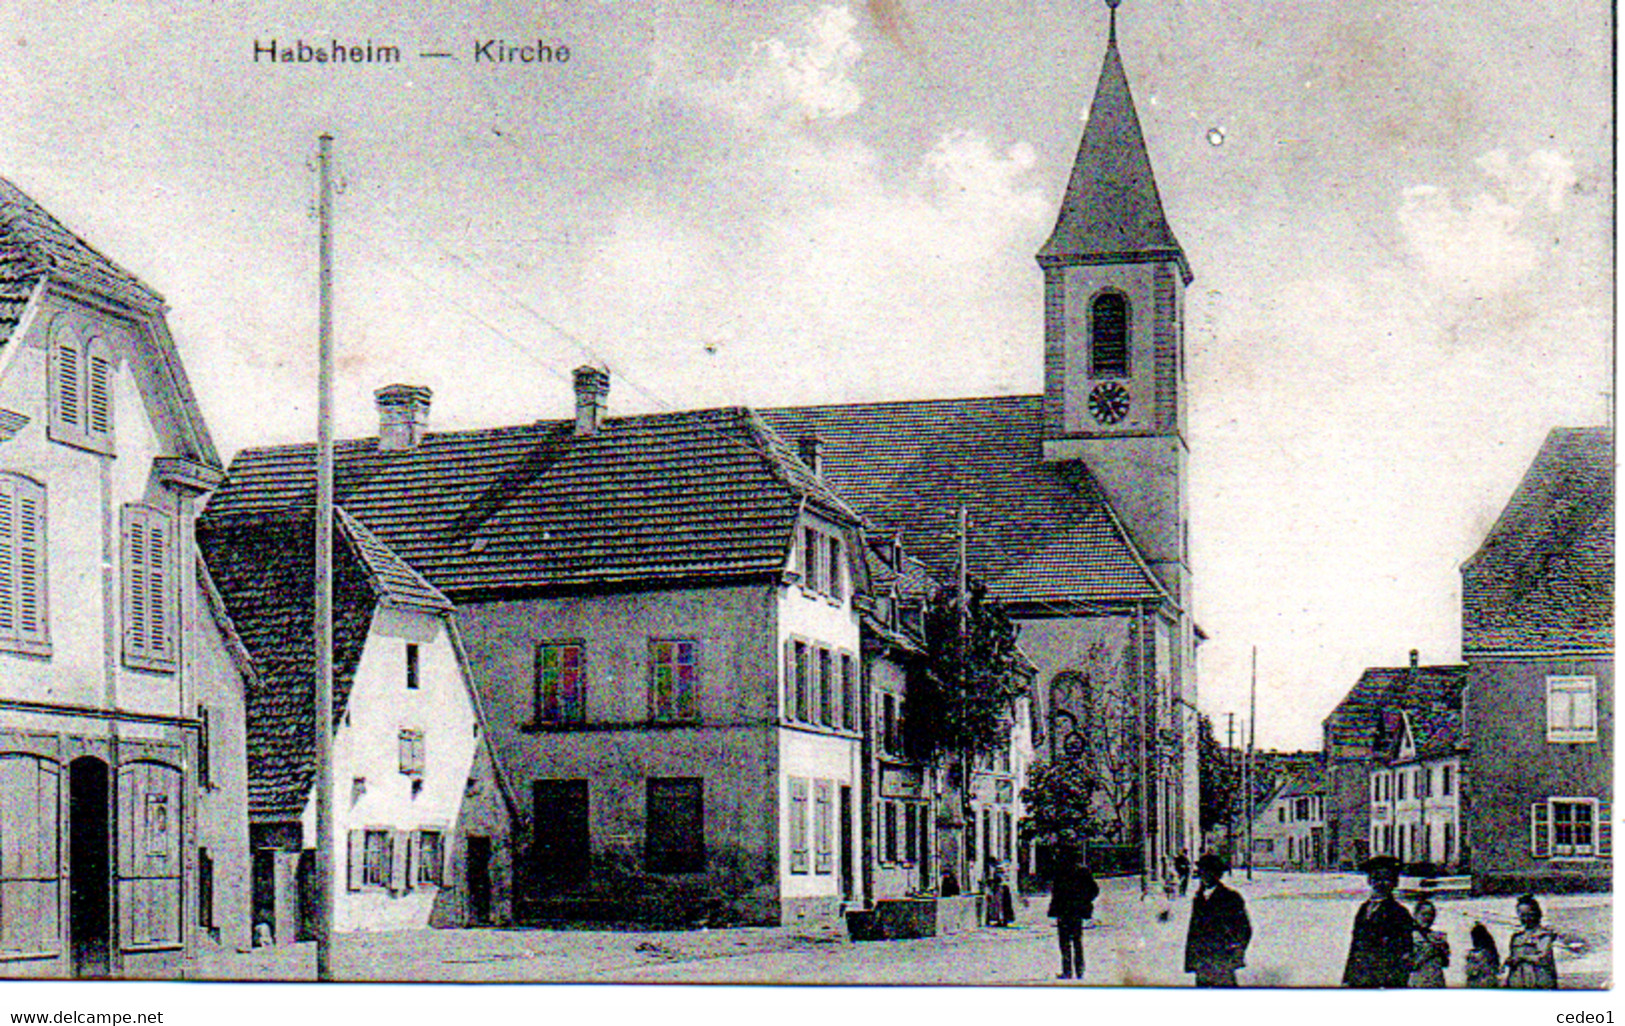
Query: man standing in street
[[1380, 950], [1216, 945]]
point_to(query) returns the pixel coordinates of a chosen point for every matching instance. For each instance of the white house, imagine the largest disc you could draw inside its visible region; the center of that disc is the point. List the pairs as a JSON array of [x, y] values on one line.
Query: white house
[[420, 817], [1416, 787], [122, 840]]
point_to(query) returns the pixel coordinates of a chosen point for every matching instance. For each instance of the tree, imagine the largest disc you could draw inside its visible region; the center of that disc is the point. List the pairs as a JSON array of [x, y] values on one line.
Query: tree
[[1219, 775], [962, 697], [1057, 797]]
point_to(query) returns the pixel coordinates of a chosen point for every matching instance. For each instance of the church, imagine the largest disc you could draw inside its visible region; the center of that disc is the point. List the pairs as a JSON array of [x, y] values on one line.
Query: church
[[663, 615]]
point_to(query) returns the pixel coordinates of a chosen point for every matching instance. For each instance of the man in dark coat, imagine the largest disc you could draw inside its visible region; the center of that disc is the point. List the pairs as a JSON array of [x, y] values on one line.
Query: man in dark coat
[[1072, 900], [1216, 945], [1380, 950]]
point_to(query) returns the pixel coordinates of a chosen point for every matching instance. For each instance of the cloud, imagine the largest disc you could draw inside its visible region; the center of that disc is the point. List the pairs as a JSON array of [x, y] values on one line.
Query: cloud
[[807, 79], [1482, 247]]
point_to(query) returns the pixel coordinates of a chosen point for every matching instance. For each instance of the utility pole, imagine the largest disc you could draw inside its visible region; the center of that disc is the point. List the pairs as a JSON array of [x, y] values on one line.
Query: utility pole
[[324, 568], [967, 811], [1230, 762], [1252, 738]]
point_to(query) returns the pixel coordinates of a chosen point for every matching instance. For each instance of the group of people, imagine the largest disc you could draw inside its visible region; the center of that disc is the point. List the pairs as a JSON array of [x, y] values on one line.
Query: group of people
[[1394, 947], [1390, 946]]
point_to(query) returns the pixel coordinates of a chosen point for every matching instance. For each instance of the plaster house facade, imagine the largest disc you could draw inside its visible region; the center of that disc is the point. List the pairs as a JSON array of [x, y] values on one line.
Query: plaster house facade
[[658, 615], [1417, 790], [122, 846], [1537, 635], [1289, 832], [1076, 499], [420, 817], [1350, 742]]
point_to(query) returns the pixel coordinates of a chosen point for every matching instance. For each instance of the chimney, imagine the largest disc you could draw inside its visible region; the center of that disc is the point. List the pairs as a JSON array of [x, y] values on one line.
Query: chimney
[[1414, 656], [811, 450], [592, 389], [403, 416]]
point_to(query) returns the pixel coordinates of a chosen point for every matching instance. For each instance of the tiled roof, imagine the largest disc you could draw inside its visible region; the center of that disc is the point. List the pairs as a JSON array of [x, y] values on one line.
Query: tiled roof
[[395, 583], [1039, 533], [1111, 210], [1357, 719], [708, 494], [1544, 578], [266, 578], [34, 244]]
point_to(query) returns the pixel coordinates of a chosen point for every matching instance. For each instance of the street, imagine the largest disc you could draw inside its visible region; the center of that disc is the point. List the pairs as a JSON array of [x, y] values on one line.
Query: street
[[1300, 928]]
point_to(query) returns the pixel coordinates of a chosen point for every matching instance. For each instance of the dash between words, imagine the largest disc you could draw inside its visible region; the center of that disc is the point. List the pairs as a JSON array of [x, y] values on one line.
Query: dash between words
[[336, 51]]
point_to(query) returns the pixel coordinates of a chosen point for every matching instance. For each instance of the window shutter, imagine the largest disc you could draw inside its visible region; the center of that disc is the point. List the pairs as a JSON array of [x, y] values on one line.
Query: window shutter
[[69, 410], [789, 689], [8, 556], [355, 862], [397, 861], [160, 606], [1540, 840], [413, 840], [135, 583], [30, 562], [1605, 832], [99, 396]]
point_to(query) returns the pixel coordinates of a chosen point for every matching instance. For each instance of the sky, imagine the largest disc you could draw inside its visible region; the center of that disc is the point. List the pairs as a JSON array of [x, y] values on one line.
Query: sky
[[1399, 218]]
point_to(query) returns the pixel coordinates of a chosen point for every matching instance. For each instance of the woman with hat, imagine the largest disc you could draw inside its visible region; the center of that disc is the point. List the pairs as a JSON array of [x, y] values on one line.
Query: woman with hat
[[1380, 951], [1216, 944]]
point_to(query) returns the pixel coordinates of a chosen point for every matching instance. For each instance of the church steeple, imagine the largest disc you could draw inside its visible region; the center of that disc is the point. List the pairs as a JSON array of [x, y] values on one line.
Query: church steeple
[[1112, 212]]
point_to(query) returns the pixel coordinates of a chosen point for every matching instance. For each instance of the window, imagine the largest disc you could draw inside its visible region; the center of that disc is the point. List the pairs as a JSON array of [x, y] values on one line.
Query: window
[[205, 774], [812, 577], [1571, 709], [431, 858], [1108, 335], [674, 666], [849, 694], [811, 711], [561, 682], [149, 589], [911, 839], [1424, 782], [377, 855], [30, 852], [411, 667], [888, 721], [888, 833], [1449, 841], [833, 577], [561, 839], [1009, 837], [81, 386], [674, 839], [802, 669], [1572, 828], [1280, 814], [827, 713], [1403, 778], [1444, 780], [23, 623], [411, 752], [824, 847], [205, 889], [798, 826]]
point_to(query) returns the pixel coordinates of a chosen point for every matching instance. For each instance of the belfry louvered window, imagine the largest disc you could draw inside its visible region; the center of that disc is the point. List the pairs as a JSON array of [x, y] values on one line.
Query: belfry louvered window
[[1108, 335], [149, 588], [23, 620], [81, 387]]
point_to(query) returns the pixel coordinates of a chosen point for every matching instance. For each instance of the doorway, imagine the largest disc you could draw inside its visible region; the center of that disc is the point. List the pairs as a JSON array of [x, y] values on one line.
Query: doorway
[[89, 885], [560, 849], [479, 881], [843, 841]]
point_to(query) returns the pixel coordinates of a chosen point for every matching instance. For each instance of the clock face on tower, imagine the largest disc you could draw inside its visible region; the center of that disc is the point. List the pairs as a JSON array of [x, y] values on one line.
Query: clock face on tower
[[1108, 402]]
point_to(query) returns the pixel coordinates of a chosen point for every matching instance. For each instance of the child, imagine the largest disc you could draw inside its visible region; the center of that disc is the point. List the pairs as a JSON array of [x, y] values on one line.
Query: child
[[1430, 951], [1531, 963], [1484, 960]]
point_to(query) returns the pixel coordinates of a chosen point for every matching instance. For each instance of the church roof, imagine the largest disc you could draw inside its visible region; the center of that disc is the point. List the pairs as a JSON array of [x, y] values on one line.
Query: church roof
[[1112, 212], [1040, 533], [1544, 578]]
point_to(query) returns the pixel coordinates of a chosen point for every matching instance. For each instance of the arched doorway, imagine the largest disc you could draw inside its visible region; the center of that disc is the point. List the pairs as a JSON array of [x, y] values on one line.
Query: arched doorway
[[89, 908]]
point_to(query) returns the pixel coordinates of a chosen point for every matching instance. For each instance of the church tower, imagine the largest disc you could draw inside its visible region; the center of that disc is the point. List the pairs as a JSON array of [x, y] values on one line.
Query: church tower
[[1115, 403], [1114, 295]]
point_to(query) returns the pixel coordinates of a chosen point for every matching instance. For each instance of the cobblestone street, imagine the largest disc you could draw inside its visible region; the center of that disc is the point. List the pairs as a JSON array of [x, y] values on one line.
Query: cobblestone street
[[1301, 926]]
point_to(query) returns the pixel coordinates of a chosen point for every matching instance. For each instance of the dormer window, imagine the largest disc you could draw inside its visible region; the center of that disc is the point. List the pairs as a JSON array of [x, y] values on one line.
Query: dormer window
[[1108, 336], [81, 387]]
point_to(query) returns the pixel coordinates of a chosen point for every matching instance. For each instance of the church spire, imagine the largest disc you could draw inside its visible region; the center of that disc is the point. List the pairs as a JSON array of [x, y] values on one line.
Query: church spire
[[1112, 213]]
